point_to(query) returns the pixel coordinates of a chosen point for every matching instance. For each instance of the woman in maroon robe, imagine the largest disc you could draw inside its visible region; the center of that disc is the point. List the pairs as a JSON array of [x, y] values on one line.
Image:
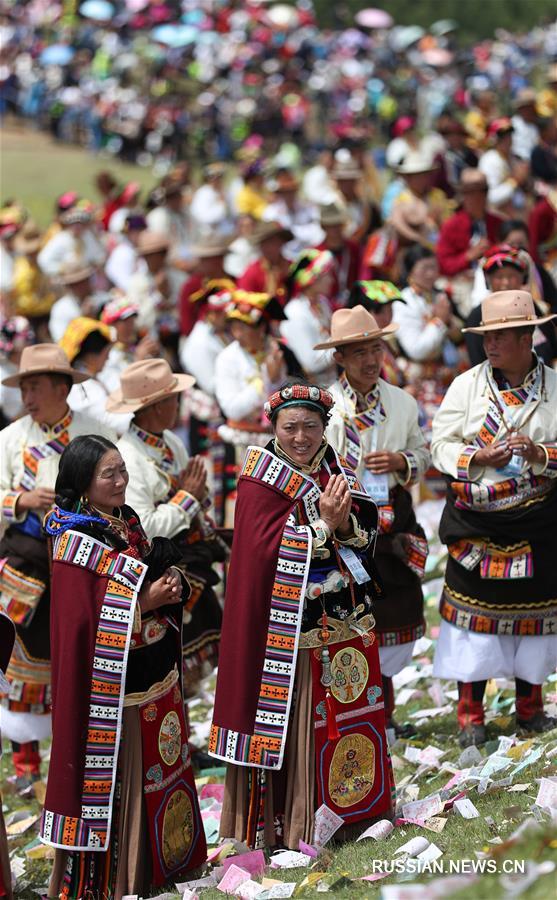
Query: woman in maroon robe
[[299, 709], [121, 806]]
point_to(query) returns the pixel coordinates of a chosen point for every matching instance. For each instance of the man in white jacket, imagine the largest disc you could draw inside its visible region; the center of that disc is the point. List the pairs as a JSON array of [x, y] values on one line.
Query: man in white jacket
[[374, 426], [495, 438]]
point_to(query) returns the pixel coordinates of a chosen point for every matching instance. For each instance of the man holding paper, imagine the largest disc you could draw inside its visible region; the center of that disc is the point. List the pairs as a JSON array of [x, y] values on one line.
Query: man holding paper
[[374, 426], [495, 438]]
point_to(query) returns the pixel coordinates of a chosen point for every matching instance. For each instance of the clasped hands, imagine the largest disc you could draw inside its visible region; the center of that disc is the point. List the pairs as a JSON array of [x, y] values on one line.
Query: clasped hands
[[499, 454], [166, 589]]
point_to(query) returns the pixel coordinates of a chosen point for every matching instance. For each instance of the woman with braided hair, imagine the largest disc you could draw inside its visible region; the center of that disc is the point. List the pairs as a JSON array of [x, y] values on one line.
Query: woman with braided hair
[[121, 806]]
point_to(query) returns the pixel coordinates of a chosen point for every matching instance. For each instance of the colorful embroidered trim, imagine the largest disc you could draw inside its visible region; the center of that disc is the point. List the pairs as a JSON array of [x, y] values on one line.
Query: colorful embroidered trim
[[91, 831], [386, 519], [20, 594], [265, 747], [416, 550], [163, 454], [551, 457], [359, 421], [505, 563], [406, 635], [186, 502], [463, 463], [465, 612], [503, 495], [33, 455], [9, 504]]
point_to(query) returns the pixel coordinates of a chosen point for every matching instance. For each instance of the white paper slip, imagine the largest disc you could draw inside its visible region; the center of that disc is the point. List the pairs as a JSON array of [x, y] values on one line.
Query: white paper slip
[[377, 486], [430, 853], [378, 831], [326, 824], [289, 859], [423, 809], [286, 889], [414, 846], [547, 794], [353, 564], [466, 808]]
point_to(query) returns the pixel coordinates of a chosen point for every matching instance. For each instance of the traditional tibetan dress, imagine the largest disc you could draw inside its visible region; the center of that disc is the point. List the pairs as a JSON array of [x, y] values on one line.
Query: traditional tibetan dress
[[387, 419], [121, 805], [299, 708], [155, 463], [29, 457], [499, 600]]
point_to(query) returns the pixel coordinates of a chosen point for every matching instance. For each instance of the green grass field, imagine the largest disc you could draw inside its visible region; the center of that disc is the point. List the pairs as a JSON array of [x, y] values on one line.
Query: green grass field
[[34, 170]]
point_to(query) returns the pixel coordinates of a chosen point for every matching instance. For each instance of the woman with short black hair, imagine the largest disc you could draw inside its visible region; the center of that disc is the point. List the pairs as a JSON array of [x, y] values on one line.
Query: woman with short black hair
[[121, 806]]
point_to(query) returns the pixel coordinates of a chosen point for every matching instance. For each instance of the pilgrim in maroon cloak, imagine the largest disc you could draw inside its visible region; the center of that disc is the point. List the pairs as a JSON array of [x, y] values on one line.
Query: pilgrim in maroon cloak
[[121, 805], [299, 708]]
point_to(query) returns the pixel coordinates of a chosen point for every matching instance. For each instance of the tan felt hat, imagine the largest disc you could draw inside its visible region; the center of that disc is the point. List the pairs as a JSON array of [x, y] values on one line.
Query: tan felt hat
[[144, 383], [44, 359], [508, 309], [416, 162], [409, 218], [151, 242], [350, 326]]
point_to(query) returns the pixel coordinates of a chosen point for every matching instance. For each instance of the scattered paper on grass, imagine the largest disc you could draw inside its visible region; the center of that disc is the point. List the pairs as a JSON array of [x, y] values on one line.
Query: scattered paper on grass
[[423, 809], [307, 849], [414, 846], [378, 831], [430, 853], [547, 794], [326, 824], [514, 885], [282, 889], [248, 890], [289, 859], [21, 825], [466, 809], [253, 862], [232, 879]]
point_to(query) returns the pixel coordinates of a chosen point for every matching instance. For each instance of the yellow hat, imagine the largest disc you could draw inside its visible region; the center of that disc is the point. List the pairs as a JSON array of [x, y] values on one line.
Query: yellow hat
[[76, 332]]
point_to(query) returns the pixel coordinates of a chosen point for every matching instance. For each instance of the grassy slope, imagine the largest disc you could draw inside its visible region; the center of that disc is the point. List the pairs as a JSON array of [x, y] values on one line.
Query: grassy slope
[[35, 170]]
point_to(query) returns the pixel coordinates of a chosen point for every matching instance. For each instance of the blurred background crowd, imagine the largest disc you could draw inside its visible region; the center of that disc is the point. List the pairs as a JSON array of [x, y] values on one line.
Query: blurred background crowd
[[292, 162]]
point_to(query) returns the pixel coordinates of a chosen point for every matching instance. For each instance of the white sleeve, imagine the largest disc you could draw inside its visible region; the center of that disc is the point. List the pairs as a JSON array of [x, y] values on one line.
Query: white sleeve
[[194, 360], [237, 400], [419, 342], [450, 453], [300, 335], [164, 519], [501, 187]]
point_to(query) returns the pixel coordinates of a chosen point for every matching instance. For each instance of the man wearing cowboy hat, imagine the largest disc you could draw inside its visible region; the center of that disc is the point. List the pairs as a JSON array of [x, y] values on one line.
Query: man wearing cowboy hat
[[168, 490], [290, 210], [73, 303], [77, 241], [417, 170], [346, 251], [30, 450], [374, 426], [495, 438]]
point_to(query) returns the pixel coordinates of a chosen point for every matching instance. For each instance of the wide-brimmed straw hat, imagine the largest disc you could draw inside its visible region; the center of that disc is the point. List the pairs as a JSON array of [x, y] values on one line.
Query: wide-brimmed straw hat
[[332, 214], [44, 359], [508, 309], [213, 245], [74, 274], [144, 383], [472, 180], [28, 239], [351, 326], [414, 163], [409, 218], [151, 242], [265, 230]]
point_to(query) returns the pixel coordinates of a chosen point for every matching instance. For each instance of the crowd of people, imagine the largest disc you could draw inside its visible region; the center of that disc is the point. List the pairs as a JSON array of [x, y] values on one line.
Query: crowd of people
[[221, 404]]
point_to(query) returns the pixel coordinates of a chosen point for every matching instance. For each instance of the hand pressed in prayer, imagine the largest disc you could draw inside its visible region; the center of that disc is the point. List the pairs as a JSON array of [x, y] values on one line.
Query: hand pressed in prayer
[[194, 478], [335, 504], [496, 455]]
